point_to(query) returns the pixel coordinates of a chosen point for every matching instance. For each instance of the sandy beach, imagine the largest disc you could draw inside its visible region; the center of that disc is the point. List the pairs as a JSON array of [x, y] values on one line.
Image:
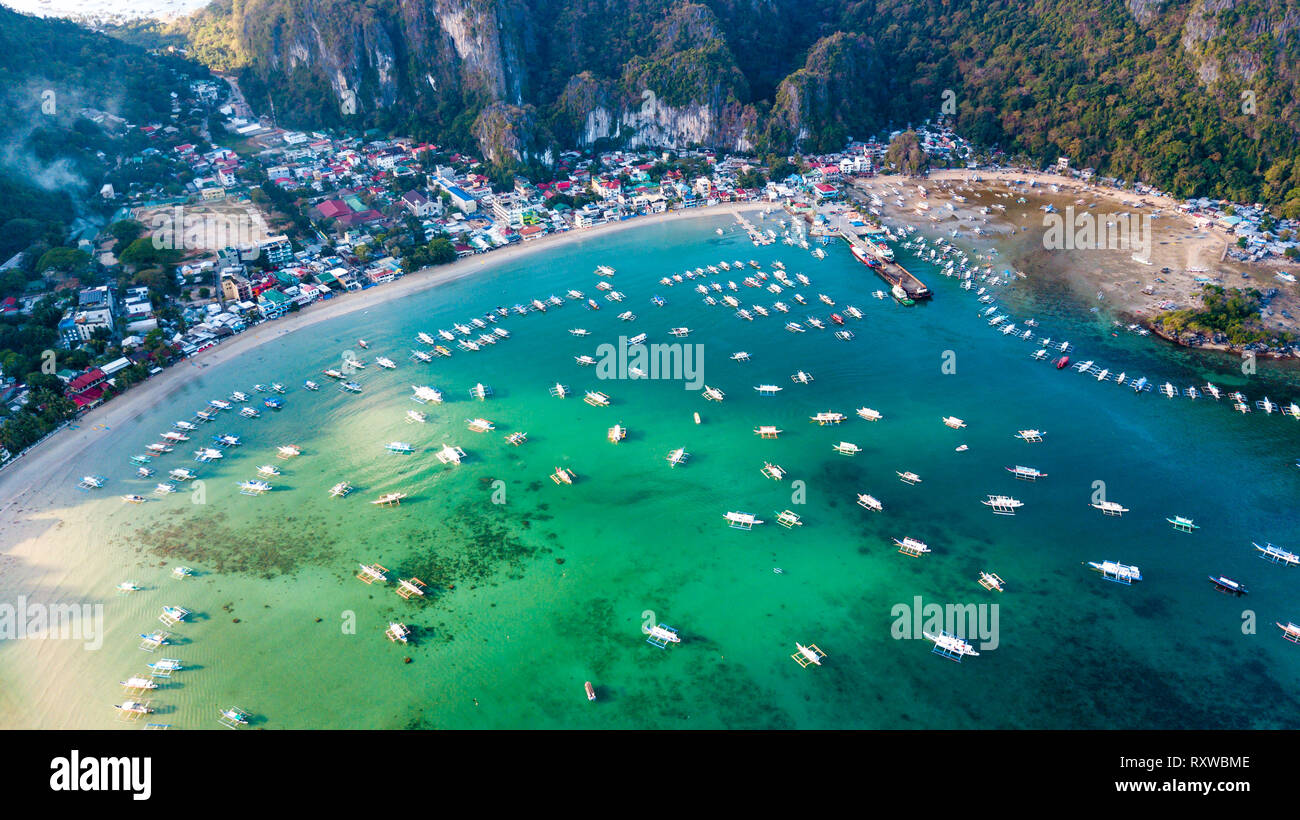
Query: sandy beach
[[22, 476], [1183, 255]]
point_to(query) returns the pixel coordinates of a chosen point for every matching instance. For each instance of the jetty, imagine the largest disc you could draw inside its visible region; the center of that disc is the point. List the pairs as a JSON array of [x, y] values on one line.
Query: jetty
[[891, 271]]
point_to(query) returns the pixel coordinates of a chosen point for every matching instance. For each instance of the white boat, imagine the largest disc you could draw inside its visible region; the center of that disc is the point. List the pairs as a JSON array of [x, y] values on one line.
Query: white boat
[[425, 394], [386, 363], [1112, 508], [911, 546], [869, 502], [253, 487], [400, 447], [953, 422], [869, 414], [479, 425], [678, 456], [741, 520], [1003, 504], [1124, 574], [416, 417]]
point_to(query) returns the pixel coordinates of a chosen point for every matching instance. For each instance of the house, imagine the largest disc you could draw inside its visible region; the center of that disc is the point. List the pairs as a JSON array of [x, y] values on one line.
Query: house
[[87, 389]]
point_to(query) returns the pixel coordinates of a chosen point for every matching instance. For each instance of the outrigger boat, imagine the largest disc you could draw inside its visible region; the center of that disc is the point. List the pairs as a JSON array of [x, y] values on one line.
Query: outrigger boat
[[1114, 571], [908, 477], [991, 581], [389, 500], [311, 385], [400, 447], [233, 718], [661, 635], [911, 547], [809, 655], [134, 499], [828, 417], [616, 433], [450, 455], [1112, 508], [950, 646], [713, 394], [425, 394], [1290, 632], [386, 363], [480, 425], [788, 519], [869, 502], [416, 417], [350, 387], [773, 471], [268, 470], [953, 422], [1030, 435], [869, 414], [741, 520], [207, 454], [846, 448], [1182, 524], [517, 438], [253, 487], [802, 378], [1003, 504], [678, 456], [182, 474], [1277, 555], [288, 451], [563, 475], [1026, 473], [480, 391], [767, 431], [1226, 584], [596, 399], [340, 489], [91, 482]]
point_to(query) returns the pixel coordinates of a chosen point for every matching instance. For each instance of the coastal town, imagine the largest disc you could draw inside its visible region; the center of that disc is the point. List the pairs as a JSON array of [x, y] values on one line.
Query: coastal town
[[270, 221]]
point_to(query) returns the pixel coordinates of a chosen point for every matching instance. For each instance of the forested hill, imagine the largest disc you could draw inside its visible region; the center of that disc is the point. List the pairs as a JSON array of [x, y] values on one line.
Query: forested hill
[[54, 73], [1197, 96]]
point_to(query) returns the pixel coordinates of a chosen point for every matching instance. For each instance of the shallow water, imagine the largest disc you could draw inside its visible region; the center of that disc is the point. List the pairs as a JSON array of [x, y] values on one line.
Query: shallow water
[[552, 587]]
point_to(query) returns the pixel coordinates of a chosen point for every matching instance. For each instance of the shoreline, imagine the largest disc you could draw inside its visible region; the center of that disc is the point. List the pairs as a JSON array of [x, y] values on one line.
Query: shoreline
[[1183, 256], [80, 433]]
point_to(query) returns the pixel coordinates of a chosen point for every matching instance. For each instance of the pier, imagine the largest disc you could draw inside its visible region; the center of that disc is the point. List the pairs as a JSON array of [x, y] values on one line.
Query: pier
[[892, 272]]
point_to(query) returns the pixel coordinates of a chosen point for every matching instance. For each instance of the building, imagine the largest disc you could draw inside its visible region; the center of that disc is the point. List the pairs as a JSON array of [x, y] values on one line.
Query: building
[[277, 250], [418, 204]]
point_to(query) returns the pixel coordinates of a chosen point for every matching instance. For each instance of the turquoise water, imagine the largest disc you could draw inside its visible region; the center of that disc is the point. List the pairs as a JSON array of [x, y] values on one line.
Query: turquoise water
[[552, 586]]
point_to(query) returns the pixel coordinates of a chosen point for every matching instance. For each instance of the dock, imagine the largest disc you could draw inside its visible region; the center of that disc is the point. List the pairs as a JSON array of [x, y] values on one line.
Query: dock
[[892, 272]]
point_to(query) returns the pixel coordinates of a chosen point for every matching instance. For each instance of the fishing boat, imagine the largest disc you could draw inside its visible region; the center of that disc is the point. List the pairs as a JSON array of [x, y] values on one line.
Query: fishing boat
[[616, 433], [661, 635], [249, 413], [1225, 584], [129, 586], [869, 414], [1114, 571], [350, 387], [869, 502], [788, 519], [517, 438], [678, 456], [713, 394], [853, 312], [741, 520], [844, 335], [415, 417], [288, 451], [767, 431], [133, 709], [992, 582], [794, 327], [563, 475], [450, 455], [253, 487], [596, 399], [584, 360], [773, 471], [950, 646], [846, 448], [480, 391], [400, 447], [828, 417], [1112, 508], [1182, 524], [1030, 435], [912, 547], [768, 389], [207, 454], [1290, 632], [185, 425], [1003, 504], [627, 316], [310, 385], [172, 615], [386, 363], [740, 356], [389, 500], [953, 422], [908, 477], [837, 319], [1277, 555], [1026, 473], [134, 499], [680, 332], [181, 573], [220, 404]]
